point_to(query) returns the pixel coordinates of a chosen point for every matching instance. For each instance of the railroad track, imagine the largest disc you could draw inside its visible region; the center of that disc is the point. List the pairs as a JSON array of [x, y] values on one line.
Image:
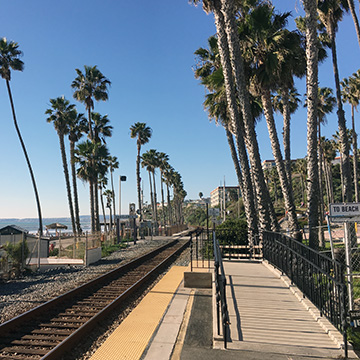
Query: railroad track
[[54, 328]]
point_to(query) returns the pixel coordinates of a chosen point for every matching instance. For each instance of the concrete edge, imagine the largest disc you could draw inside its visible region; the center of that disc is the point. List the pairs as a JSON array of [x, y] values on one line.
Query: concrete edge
[[330, 329]]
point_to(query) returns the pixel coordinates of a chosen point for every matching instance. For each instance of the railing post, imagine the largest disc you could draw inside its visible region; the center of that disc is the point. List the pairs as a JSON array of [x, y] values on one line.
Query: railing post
[[191, 253]]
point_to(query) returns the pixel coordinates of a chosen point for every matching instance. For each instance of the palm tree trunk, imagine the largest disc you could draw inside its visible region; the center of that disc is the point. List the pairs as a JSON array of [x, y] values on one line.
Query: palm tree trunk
[[103, 209], [275, 145], [310, 7], [162, 198], [27, 159], [155, 203], [286, 133], [169, 205], [248, 195], [234, 157], [321, 198], [113, 194], [346, 176], [138, 181], [265, 209], [355, 19], [91, 190], [355, 156], [110, 219], [76, 199], [96, 204], [151, 197], [67, 181]]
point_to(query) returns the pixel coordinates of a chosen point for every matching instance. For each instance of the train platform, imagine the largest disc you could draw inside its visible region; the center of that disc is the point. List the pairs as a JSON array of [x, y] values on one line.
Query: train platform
[[269, 319]]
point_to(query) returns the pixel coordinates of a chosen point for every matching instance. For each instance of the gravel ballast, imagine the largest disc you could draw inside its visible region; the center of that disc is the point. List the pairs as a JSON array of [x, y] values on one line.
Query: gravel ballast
[[20, 295]]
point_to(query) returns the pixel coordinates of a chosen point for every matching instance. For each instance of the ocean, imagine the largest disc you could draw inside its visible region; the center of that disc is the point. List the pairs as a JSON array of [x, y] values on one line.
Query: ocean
[[32, 224]]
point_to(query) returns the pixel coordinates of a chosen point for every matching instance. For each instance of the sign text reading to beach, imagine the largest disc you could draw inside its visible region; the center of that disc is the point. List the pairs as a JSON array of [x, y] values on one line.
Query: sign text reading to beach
[[345, 211]]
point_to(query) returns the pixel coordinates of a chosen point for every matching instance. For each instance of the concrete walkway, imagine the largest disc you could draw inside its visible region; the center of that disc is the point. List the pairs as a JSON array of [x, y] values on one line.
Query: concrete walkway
[[266, 316], [269, 320]]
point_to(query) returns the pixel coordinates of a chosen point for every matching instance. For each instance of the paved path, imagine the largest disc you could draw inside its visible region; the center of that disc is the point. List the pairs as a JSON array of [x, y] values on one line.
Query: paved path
[[266, 316]]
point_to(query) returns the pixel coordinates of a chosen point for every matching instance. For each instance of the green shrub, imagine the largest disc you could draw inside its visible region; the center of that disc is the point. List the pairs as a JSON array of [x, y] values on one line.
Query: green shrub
[[233, 231]]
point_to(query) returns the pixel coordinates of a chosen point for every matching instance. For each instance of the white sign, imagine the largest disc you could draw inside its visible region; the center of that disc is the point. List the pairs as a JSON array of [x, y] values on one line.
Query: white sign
[[214, 212], [344, 211]]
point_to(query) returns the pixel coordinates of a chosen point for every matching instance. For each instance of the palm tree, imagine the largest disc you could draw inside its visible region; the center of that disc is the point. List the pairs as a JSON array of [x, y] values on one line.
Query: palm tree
[[266, 47], [77, 126], [142, 133], [326, 103], [9, 59], [355, 19], [163, 162], [351, 94], [101, 129], [113, 164], [147, 161], [102, 182], [286, 102], [312, 93], [168, 178], [92, 161], [331, 13], [59, 116], [237, 123], [109, 198], [90, 85]]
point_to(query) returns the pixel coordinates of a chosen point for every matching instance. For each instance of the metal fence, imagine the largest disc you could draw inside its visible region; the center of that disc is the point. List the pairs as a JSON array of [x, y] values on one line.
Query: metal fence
[[201, 249], [320, 278], [220, 288]]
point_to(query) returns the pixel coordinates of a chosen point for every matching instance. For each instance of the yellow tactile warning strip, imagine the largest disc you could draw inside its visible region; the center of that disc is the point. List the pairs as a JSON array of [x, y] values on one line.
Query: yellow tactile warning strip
[[130, 339]]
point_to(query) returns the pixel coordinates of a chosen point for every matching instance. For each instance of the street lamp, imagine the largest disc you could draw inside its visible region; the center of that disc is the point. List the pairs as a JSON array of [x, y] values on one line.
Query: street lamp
[[121, 178]]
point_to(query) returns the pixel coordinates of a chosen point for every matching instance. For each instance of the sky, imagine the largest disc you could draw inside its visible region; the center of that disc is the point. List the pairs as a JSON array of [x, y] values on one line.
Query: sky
[[146, 49]]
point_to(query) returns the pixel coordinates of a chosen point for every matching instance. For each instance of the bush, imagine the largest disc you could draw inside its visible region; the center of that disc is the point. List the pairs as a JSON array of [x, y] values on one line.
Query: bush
[[233, 232]]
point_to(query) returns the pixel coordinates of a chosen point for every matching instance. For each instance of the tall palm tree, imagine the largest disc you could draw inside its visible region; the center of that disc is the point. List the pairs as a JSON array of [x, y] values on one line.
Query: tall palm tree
[[147, 161], [77, 126], [109, 198], [59, 114], [286, 102], [101, 129], [351, 94], [89, 86], [331, 13], [266, 47], [238, 66], [150, 159], [163, 162], [10, 60], [102, 182], [168, 176], [142, 133], [355, 19], [113, 164], [92, 161], [326, 103], [214, 6], [312, 48]]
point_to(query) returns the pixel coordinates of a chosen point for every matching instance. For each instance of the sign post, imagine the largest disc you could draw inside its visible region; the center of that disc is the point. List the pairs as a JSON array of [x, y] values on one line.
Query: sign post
[[346, 213]]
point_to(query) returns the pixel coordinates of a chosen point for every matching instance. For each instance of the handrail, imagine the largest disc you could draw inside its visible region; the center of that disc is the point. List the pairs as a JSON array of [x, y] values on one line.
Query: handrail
[[319, 278], [220, 286]]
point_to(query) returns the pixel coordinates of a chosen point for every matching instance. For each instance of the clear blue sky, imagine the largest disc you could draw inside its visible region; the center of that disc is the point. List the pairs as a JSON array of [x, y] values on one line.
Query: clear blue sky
[[146, 49]]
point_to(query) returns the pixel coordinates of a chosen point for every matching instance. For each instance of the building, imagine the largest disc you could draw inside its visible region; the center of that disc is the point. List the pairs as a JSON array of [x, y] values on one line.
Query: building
[[217, 195]]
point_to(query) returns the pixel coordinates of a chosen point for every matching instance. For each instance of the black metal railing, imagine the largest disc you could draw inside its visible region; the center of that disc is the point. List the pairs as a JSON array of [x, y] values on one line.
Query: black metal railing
[[321, 280], [220, 287], [201, 252], [234, 244]]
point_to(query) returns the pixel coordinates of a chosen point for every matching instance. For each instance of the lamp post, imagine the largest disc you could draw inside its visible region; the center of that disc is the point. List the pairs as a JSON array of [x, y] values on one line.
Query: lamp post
[[118, 224]]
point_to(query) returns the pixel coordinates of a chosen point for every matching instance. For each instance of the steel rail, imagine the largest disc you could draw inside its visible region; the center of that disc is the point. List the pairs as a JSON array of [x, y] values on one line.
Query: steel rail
[[67, 344]]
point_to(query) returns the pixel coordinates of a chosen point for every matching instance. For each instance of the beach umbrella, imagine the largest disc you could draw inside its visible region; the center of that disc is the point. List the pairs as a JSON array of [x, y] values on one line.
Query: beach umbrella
[[56, 226]]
